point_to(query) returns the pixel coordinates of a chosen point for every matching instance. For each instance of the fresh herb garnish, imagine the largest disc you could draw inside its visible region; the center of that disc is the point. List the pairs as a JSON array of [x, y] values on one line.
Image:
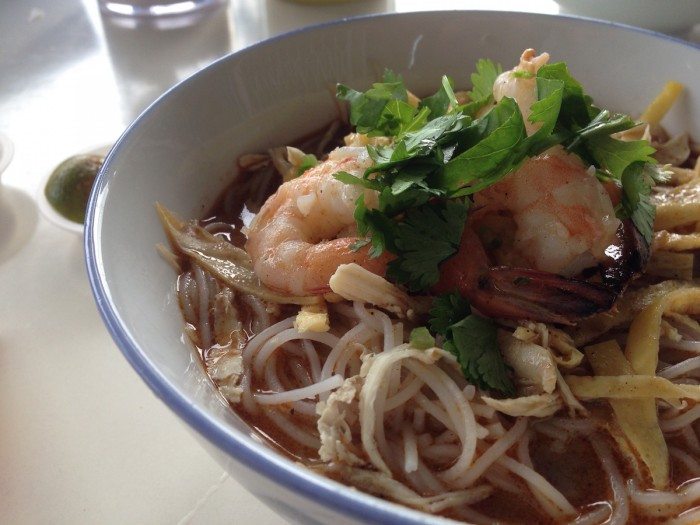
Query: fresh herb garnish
[[420, 249], [481, 94], [498, 151], [577, 109], [482, 81], [308, 161], [442, 151], [523, 74], [615, 156], [472, 340], [439, 103], [447, 309], [421, 339], [367, 110], [637, 181]]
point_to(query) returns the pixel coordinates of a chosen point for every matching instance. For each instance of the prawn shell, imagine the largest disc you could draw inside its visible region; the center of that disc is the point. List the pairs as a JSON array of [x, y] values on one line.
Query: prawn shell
[[519, 293], [627, 257]]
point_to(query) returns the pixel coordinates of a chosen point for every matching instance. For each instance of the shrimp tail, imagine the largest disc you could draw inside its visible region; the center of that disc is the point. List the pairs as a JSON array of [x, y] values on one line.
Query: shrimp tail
[[532, 294], [627, 257], [519, 293]]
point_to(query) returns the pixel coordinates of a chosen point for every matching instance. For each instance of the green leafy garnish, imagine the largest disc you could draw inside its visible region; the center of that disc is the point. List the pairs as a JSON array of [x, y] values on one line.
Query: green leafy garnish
[[483, 79], [614, 156], [308, 161], [447, 309], [420, 249], [441, 152], [472, 340], [367, 110], [603, 124], [523, 74], [421, 339], [496, 153], [576, 108], [545, 111], [637, 181], [439, 103]]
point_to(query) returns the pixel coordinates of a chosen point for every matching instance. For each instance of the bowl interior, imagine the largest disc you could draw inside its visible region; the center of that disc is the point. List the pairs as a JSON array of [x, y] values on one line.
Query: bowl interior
[[182, 151]]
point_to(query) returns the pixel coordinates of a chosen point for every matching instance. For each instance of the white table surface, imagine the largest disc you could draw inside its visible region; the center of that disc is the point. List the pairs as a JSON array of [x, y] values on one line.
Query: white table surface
[[82, 439]]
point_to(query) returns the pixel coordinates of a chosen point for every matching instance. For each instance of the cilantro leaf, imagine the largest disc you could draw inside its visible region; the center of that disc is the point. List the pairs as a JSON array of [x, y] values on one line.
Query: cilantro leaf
[[308, 161], [367, 110], [424, 141], [378, 226], [615, 155], [522, 74], [396, 117], [550, 95], [347, 178], [483, 79], [394, 202], [416, 144], [482, 86], [421, 339], [428, 235], [637, 181], [576, 108], [606, 123], [473, 340], [439, 103], [497, 153], [419, 120], [602, 126], [446, 310], [441, 150]]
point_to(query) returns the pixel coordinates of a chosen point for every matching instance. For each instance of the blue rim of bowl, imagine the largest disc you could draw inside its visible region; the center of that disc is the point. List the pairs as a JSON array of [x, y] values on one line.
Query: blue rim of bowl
[[263, 460]]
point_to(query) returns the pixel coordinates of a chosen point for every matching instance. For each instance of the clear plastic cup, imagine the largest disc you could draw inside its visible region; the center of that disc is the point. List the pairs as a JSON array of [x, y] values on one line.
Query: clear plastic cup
[[155, 8]]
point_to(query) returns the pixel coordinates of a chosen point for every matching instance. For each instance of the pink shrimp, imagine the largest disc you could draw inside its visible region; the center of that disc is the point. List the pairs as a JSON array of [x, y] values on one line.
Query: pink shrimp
[[542, 225], [558, 216], [520, 84], [307, 228]]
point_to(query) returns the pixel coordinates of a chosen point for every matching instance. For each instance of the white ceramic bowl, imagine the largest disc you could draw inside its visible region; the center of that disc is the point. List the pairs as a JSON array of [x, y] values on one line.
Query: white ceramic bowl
[[181, 151]]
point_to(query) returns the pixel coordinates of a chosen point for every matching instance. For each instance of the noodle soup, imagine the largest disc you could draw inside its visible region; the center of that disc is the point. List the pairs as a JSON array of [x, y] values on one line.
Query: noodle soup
[[486, 334]]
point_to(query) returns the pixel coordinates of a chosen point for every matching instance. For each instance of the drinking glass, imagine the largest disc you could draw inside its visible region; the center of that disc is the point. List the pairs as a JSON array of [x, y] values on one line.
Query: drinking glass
[[154, 8]]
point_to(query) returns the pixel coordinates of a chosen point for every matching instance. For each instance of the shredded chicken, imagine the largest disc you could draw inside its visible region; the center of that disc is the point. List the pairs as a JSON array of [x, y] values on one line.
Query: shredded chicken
[[538, 405], [534, 367], [336, 416], [354, 283]]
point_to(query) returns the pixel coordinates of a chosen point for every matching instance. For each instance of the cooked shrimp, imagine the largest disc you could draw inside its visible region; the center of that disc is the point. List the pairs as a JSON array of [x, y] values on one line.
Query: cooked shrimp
[[531, 232], [562, 215], [520, 84], [307, 228], [518, 293]]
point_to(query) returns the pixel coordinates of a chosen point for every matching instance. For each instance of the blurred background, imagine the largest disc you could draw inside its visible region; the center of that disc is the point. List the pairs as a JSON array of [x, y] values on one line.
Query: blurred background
[[73, 412]]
